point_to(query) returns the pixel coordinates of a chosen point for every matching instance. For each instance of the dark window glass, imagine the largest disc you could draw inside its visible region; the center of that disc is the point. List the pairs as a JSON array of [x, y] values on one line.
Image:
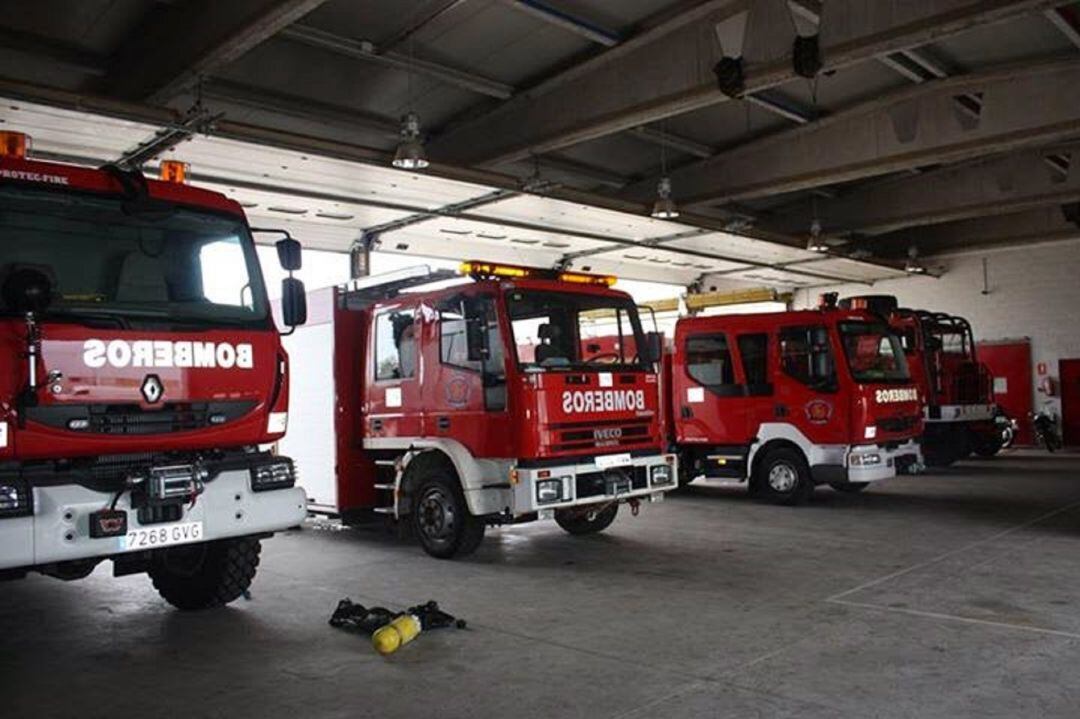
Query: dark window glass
[[806, 356], [395, 346], [753, 350], [708, 360], [111, 261], [874, 353]]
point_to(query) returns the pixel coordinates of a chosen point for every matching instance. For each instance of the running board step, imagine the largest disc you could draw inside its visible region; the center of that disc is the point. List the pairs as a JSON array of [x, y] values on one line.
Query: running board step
[[389, 485], [384, 510]]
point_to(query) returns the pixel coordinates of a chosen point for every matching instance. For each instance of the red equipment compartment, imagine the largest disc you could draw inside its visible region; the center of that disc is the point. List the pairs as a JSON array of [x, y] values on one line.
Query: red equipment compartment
[[1009, 365]]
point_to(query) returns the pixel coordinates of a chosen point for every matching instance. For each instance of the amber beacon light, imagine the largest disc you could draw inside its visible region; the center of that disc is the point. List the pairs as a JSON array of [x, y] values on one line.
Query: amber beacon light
[[14, 144]]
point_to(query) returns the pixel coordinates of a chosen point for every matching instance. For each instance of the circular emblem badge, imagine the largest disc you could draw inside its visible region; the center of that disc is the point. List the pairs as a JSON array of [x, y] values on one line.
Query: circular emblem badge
[[818, 411], [457, 392]]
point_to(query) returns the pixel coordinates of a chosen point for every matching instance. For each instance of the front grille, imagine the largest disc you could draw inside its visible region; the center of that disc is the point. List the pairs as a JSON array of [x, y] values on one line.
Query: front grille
[[897, 424], [132, 419], [615, 434]]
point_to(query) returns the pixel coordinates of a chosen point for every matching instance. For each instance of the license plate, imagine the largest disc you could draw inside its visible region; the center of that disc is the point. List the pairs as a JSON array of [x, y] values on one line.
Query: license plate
[[614, 460], [163, 536]]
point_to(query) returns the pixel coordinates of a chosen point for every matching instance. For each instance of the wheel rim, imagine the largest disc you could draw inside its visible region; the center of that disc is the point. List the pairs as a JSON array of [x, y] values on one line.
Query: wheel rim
[[783, 477], [436, 516]]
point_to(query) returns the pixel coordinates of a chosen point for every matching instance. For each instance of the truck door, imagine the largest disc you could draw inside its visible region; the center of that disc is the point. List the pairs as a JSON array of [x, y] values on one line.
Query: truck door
[[807, 391], [706, 392], [395, 403], [465, 389], [755, 367]]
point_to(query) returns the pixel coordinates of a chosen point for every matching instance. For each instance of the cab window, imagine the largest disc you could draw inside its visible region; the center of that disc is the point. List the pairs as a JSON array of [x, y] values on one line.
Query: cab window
[[395, 345], [709, 362], [753, 350], [806, 356]]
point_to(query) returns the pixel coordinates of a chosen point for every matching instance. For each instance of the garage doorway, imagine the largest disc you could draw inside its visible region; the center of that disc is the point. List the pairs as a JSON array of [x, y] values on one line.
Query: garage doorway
[[1069, 375]]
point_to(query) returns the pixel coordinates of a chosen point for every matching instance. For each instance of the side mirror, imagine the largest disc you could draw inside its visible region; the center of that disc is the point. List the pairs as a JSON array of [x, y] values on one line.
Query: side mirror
[[476, 336], [293, 302], [289, 254], [653, 351]]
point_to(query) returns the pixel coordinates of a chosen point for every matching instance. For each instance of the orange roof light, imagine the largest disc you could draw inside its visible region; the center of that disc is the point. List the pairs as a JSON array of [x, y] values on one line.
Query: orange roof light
[[584, 279], [14, 144], [489, 270], [173, 171]]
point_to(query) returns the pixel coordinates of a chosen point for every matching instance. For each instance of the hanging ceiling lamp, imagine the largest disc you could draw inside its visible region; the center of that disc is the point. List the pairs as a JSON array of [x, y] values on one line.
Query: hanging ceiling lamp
[[913, 266], [816, 243], [664, 208], [410, 154]]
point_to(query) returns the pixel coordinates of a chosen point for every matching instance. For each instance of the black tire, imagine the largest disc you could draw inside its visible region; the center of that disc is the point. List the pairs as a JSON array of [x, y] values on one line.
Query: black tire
[[440, 516], [576, 520], [985, 447], [849, 487], [208, 575], [782, 477]]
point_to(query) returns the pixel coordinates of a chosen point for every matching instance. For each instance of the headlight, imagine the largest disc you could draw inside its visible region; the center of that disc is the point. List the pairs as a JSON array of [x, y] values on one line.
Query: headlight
[[16, 499], [276, 475], [660, 474], [863, 460], [549, 490], [870, 432]]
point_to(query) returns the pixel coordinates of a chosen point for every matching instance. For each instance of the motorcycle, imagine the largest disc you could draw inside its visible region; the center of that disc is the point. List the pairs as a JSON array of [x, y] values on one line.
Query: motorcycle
[[1047, 434], [1006, 427]]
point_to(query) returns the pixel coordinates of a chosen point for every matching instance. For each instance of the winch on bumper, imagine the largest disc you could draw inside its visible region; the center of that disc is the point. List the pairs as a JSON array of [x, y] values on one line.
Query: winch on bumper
[[595, 480], [45, 518]]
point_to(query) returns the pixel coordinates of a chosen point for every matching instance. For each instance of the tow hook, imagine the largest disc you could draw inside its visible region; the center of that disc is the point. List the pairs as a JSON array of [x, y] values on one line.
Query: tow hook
[[635, 506]]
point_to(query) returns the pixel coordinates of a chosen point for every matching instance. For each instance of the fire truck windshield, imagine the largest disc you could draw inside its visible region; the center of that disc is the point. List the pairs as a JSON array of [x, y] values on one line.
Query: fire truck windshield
[[173, 266], [566, 330], [874, 353]]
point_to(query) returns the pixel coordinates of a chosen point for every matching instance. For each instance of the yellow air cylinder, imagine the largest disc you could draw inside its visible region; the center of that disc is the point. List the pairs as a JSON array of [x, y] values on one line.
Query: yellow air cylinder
[[394, 635]]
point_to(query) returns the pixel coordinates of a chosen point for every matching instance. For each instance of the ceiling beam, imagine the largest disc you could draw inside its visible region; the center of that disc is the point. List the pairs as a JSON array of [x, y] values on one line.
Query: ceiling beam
[[180, 43], [999, 185], [1067, 21], [1028, 104], [56, 53], [667, 71], [1047, 224], [672, 142], [366, 51], [436, 13], [577, 25]]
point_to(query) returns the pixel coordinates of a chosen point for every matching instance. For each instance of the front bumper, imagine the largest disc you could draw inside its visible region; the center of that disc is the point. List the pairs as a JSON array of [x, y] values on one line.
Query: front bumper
[[59, 528], [891, 460], [598, 480]]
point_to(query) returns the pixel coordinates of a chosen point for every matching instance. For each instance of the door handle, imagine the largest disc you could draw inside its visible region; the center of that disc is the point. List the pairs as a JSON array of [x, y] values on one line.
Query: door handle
[[686, 412], [376, 425], [443, 423], [780, 410]]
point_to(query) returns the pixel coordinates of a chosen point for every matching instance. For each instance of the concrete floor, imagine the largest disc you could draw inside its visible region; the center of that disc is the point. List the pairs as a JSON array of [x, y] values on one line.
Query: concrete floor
[[945, 596]]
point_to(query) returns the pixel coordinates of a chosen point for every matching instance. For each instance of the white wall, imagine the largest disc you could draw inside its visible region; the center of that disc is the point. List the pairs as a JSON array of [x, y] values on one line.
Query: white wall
[[1034, 292]]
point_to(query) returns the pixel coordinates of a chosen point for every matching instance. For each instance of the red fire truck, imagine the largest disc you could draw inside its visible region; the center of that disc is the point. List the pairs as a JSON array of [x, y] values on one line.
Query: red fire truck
[[522, 394], [785, 401], [957, 390], [141, 370]]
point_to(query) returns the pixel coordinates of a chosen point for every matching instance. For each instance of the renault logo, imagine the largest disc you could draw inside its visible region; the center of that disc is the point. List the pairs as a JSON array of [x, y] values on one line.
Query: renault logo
[[152, 389]]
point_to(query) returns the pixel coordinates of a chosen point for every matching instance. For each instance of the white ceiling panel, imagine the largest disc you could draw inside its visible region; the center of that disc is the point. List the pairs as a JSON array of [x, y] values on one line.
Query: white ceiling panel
[[564, 215], [72, 134]]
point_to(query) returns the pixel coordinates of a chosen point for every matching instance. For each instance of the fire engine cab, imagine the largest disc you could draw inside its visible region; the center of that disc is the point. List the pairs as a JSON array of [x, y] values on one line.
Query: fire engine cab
[[521, 394], [140, 370], [957, 390], [786, 401]]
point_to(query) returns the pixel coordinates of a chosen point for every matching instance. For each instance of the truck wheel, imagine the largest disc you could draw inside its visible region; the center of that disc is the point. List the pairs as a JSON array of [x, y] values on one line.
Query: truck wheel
[[586, 520], [782, 477], [203, 576], [441, 518], [849, 487]]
